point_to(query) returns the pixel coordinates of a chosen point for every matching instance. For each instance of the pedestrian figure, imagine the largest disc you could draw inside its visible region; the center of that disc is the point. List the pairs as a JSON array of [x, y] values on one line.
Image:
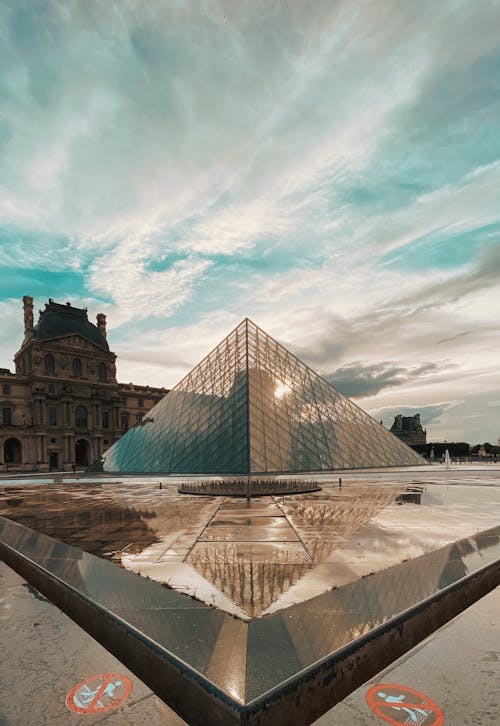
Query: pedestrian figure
[[412, 712], [111, 688], [73, 467]]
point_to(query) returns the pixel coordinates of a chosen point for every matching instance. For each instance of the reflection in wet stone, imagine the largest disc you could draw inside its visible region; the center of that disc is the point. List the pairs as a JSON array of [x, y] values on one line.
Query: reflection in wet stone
[[323, 522], [309, 631], [258, 557], [100, 527], [253, 586], [251, 553]]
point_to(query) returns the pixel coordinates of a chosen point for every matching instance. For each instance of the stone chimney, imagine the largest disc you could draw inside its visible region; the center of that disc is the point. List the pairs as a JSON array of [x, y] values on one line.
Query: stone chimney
[[101, 323], [417, 419], [398, 420], [28, 317]]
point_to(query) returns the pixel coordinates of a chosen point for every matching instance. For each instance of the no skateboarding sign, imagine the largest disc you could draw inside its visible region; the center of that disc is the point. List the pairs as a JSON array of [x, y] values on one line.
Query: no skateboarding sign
[[402, 705], [99, 693]]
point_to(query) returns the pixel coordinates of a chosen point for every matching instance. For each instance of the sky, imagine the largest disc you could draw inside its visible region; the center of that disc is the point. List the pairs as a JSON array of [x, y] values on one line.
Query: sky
[[330, 170]]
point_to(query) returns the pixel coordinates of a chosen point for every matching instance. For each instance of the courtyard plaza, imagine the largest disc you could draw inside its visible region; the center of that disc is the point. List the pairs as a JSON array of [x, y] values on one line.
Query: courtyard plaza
[[253, 558], [457, 666]]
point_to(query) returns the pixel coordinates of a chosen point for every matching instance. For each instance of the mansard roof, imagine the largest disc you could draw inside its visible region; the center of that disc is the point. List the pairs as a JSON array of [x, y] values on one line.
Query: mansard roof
[[60, 320]]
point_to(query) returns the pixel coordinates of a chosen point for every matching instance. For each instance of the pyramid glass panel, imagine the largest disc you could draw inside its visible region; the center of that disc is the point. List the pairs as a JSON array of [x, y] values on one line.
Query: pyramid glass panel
[[252, 407]]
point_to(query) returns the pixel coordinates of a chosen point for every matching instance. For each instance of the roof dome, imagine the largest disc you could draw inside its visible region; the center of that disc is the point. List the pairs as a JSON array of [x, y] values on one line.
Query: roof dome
[[58, 320]]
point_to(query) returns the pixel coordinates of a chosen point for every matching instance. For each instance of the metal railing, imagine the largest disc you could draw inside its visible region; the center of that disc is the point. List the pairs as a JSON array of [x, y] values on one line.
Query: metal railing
[[249, 487]]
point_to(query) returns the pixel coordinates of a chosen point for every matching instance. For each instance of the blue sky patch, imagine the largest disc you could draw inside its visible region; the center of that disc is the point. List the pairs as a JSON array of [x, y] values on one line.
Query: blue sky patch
[[16, 282], [442, 250]]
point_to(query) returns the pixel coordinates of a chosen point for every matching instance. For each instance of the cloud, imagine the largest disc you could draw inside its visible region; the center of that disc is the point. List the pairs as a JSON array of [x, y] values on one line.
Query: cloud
[[455, 337], [139, 293], [11, 330], [357, 380], [101, 154], [484, 274], [185, 165], [413, 315]]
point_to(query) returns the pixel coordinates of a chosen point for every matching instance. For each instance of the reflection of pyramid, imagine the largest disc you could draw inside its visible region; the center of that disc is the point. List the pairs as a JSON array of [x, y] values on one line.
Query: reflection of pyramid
[[251, 586], [249, 407]]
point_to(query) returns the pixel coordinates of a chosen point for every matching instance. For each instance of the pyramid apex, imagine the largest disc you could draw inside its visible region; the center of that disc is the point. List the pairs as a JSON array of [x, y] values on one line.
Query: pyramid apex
[[247, 323]]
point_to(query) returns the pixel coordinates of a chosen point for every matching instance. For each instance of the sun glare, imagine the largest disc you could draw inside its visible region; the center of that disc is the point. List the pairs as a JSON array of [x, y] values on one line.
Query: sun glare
[[281, 390]]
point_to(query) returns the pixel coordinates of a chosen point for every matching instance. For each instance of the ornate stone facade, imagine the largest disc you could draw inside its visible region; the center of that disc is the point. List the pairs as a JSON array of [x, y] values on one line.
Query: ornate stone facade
[[63, 405], [409, 429]]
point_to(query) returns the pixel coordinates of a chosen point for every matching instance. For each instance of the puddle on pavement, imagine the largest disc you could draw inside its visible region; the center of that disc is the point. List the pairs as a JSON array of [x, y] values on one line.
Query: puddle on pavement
[[253, 558], [89, 519]]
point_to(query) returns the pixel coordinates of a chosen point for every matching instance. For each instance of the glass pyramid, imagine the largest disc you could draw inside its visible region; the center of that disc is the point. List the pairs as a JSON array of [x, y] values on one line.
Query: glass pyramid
[[252, 407]]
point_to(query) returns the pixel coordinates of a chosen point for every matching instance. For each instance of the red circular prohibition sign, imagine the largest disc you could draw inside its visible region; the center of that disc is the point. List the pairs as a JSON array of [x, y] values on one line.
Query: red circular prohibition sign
[[403, 705], [99, 693]]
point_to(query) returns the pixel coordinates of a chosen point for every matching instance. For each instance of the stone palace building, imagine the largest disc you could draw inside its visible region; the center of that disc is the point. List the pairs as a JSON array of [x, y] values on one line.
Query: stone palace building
[[409, 429], [63, 405]]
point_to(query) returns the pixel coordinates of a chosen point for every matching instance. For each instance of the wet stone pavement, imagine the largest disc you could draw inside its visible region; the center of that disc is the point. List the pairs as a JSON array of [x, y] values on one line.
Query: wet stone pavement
[[457, 669], [44, 655], [254, 558], [271, 555], [453, 674]]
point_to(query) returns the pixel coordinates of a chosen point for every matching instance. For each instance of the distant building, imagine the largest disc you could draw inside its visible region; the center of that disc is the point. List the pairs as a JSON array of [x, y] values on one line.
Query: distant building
[[63, 405], [409, 429]]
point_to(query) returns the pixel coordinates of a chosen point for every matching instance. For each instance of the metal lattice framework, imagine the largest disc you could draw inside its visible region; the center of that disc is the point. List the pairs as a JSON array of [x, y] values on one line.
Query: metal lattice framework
[[252, 407]]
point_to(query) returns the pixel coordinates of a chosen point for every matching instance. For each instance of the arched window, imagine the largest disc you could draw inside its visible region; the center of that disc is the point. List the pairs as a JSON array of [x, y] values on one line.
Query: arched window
[[103, 372], [50, 364], [77, 368], [80, 417]]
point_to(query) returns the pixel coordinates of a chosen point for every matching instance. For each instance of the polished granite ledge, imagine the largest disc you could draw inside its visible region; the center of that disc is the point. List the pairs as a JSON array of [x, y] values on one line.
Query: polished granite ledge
[[290, 666]]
